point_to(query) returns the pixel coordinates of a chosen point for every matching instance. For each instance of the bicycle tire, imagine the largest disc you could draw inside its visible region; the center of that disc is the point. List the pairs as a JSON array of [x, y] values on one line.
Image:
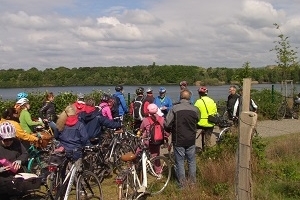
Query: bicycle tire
[[128, 190], [281, 111], [88, 186], [157, 182]]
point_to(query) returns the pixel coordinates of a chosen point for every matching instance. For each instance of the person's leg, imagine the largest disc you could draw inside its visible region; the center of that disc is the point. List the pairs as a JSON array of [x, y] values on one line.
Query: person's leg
[[207, 136], [191, 159], [179, 153], [54, 128], [155, 151]]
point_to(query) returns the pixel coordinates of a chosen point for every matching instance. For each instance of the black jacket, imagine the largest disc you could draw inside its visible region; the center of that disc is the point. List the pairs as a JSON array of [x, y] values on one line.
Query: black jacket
[[182, 121], [231, 101], [48, 111]]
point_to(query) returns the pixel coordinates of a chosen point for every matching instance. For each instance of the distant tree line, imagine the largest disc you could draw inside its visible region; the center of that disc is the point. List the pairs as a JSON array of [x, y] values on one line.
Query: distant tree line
[[140, 75]]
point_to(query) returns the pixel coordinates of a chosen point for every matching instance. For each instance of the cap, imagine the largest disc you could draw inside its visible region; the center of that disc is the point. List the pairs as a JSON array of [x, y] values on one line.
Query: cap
[[162, 90], [149, 89], [80, 96]]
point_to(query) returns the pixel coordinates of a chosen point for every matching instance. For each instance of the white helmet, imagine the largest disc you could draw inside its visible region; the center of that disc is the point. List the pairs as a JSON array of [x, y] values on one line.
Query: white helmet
[[23, 101], [7, 130]]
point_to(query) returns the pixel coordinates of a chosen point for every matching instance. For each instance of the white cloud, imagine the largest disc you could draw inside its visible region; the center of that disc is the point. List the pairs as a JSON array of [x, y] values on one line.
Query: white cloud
[[205, 33]]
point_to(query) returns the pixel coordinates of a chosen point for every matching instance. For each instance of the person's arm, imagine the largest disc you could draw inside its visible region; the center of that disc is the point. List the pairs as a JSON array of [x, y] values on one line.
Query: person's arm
[[145, 106], [84, 137], [253, 104], [235, 108], [103, 121], [21, 134], [24, 155], [43, 110], [169, 120], [123, 103], [28, 120], [108, 112]]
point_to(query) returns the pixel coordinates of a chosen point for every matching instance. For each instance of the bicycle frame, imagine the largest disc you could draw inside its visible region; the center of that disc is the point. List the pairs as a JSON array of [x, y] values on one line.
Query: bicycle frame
[[70, 174]]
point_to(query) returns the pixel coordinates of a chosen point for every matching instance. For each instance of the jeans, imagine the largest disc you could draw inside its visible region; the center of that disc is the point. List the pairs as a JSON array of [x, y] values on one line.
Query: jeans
[[54, 129], [180, 154]]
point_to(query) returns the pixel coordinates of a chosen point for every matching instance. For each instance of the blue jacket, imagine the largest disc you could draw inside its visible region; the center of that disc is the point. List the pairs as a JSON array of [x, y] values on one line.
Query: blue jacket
[[166, 101], [93, 122], [74, 135], [123, 108]]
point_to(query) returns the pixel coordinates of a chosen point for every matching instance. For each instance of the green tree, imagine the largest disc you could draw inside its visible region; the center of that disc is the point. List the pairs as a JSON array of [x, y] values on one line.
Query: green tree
[[286, 55]]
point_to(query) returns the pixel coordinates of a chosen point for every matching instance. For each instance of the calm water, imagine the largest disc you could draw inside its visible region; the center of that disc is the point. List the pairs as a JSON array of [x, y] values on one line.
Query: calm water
[[216, 92]]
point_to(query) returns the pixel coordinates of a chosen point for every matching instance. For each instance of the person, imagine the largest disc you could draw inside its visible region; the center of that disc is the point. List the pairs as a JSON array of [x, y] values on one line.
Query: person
[[79, 105], [148, 100], [11, 149], [153, 115], [163, 102], [237, 108], [72, 134], [93, 121], [25, 118], [182, 121], [123, 109], [47, 112], [231, 99], [206, 106], [104, 107], [183, 86], [137, 108], [26, 138], [17, 105], [297, 99], [21, 95]]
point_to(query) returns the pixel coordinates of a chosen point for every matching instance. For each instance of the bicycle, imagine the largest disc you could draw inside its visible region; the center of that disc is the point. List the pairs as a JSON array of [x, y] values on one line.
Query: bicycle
[[59, 185], [285, 110], [143, 176]]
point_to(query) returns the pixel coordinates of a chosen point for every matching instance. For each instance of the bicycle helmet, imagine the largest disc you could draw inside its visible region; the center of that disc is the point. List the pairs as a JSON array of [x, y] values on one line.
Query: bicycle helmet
[[23, 101], [162, 90], [105, 98], [7, 130], [21, 95], [119, 88], [152, 108], [203, 90], [140, 90], [183, 83]]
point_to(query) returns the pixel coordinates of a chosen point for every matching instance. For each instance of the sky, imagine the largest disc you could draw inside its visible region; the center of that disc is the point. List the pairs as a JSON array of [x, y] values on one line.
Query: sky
[[92, 33]]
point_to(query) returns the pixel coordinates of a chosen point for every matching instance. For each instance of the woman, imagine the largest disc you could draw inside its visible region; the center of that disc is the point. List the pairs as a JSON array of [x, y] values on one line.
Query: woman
[[8, 116], [25, 118], [105, 109], [12, 150], [47, 112], [71, 133]]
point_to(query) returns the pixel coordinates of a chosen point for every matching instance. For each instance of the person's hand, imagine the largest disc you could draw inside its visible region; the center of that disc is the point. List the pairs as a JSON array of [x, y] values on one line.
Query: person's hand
[[16, 164], [4, 169]]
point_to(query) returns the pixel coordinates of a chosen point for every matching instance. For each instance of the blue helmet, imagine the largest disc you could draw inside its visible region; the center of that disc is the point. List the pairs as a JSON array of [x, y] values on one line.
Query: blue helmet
[[21, 95]]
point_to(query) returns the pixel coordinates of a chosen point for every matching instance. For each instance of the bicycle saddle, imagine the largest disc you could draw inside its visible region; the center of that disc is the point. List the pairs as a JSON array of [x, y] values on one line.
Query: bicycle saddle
[[128, 157]]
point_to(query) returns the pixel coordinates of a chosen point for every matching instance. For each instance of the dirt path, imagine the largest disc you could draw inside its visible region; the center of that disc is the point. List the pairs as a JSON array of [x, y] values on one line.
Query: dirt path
[[269, 128]]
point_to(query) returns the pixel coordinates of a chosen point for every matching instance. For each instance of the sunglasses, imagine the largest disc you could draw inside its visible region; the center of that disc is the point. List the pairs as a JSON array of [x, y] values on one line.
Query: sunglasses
[[7, 140]]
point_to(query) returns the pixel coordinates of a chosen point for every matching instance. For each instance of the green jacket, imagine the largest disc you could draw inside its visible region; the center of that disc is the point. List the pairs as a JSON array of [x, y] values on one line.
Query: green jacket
[[211, 108], [26, 123]]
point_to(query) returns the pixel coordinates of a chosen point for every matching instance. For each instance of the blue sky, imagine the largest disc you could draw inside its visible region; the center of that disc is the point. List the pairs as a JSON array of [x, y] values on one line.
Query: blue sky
[[76, 33]]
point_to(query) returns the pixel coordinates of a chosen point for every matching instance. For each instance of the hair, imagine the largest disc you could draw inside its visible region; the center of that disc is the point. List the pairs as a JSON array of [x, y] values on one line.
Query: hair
[[9, 114], [90, 102], [185, 94], [48, 95], [62, 118]]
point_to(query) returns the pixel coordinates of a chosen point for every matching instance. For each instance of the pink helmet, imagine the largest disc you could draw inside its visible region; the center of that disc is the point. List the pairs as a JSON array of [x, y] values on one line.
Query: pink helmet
[[152, 108], [7, 130]]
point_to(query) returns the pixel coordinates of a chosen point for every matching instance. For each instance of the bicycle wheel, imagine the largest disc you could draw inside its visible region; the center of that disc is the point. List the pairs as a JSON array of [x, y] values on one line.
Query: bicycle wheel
[[126, 189], [281, 112], [158, 174], [88, 186]]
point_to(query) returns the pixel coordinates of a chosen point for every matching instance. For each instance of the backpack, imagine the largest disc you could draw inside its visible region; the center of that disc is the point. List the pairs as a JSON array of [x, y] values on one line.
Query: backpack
[[138, 111], [114, 103], [156, 132]]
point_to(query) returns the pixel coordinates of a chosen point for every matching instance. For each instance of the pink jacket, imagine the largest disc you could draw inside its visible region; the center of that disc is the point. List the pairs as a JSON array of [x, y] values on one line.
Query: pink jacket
[[106, 112], [147, 122]]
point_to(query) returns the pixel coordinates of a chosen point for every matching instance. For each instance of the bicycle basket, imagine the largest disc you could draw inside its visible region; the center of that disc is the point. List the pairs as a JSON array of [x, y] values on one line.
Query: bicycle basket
[[57, 159], [46, 138], [24, 182]]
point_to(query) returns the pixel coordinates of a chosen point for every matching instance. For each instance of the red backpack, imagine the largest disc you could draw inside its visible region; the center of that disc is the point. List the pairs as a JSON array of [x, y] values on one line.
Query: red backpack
[[156, 132]]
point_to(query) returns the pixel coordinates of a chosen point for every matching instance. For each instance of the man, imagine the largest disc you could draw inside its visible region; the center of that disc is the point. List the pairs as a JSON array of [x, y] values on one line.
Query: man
[[163, 102], [232, 97], [123, 109], [181, 121], [149, 99], [238, 105], [137, 107], [206, 106], [183, 86]]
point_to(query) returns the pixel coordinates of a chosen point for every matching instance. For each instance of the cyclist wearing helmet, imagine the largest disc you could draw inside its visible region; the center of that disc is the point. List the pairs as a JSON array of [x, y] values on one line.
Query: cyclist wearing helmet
[[21, 95], [123, 108], [183, 86], [163, 102], [104, 107], [17, 106], [12, 150], [7, 116], [206, 106], [25, 117], [137, 107]]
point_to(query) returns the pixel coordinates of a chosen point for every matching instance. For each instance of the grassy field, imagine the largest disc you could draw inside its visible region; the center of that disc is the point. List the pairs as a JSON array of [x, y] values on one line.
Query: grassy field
[[276, 172]]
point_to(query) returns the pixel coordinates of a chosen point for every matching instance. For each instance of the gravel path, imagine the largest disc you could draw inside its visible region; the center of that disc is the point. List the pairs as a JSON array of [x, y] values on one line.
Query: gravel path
[[269, 128]]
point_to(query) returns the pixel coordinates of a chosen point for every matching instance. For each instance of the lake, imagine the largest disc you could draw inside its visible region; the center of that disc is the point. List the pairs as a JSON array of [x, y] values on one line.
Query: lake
[[215, 92]]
